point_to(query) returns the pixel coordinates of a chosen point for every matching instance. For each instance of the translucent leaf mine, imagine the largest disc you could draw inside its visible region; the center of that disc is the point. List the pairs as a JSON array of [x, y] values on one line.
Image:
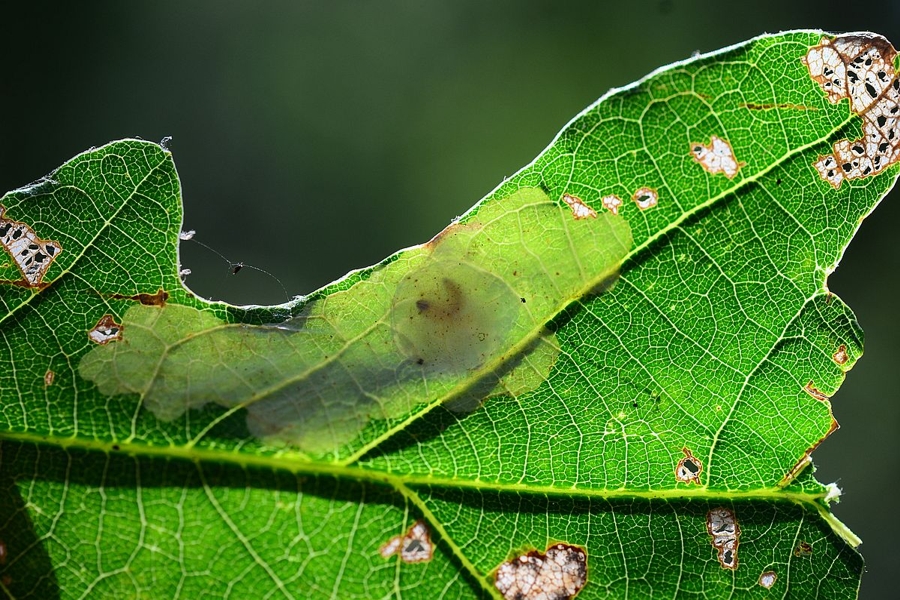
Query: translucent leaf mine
[[457, 310], [861, 69]]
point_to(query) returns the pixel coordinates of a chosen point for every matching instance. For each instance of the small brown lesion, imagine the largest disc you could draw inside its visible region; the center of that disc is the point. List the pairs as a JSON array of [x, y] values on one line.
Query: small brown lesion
[[840, 356], [645, 197], [157, 299], [414, 546], [49, 376], [803, 549], [106, 330], [580, 210], [815, 393], [611, 203], [716, 157], [767, 579], [806, 459], [688, 468]]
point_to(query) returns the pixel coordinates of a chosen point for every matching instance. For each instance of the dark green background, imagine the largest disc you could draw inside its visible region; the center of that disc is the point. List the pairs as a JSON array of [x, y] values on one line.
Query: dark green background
[[313, 138]]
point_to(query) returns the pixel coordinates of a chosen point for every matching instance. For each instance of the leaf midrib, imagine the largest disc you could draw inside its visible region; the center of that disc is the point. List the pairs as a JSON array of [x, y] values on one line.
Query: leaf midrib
[[288, 462]]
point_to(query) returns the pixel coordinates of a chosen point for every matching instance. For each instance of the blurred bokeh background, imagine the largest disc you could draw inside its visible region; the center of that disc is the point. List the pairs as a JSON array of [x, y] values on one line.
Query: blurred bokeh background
[[316, 137]]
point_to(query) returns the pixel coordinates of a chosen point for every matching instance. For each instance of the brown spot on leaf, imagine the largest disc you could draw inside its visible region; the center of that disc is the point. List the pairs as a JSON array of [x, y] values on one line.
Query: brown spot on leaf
[[558, 574], [49, 376], [806, 459], [3, 552], [861, 69], [812, 391], [580, 210], [725, 533], [32, 255], [767, 579], [688, 468], [413, 547], [803, 549], [157, 299], [840, 356], [106, 330]]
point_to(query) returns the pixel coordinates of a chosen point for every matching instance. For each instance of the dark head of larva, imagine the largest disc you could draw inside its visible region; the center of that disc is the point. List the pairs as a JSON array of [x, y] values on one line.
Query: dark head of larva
[[444, 302], [451, 316]]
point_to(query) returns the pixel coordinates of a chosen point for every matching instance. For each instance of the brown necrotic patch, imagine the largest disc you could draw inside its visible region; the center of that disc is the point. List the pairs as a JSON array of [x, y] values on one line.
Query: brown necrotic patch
[[557, 574], [32, 255], [157, 299], [803, 549], [688, 468], [725, 533], [49, 376], [716, 157], [861, 69], [840, 356], [106, 330], [413, 547], [767, 579], [812, 391]]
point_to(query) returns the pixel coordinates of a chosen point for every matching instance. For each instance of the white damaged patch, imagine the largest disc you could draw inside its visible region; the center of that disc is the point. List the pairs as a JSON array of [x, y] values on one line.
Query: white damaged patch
[[716, 157], [860, 68], [32, 255], [688, 468], [767, 579], [611, 203], [413, 547], [106, 330], [558, 574], [725, 532], [580, 210], [645, 198]]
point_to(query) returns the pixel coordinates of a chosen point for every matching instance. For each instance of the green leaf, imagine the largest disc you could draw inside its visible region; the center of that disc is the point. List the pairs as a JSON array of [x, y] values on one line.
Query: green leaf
[[620, 360]]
